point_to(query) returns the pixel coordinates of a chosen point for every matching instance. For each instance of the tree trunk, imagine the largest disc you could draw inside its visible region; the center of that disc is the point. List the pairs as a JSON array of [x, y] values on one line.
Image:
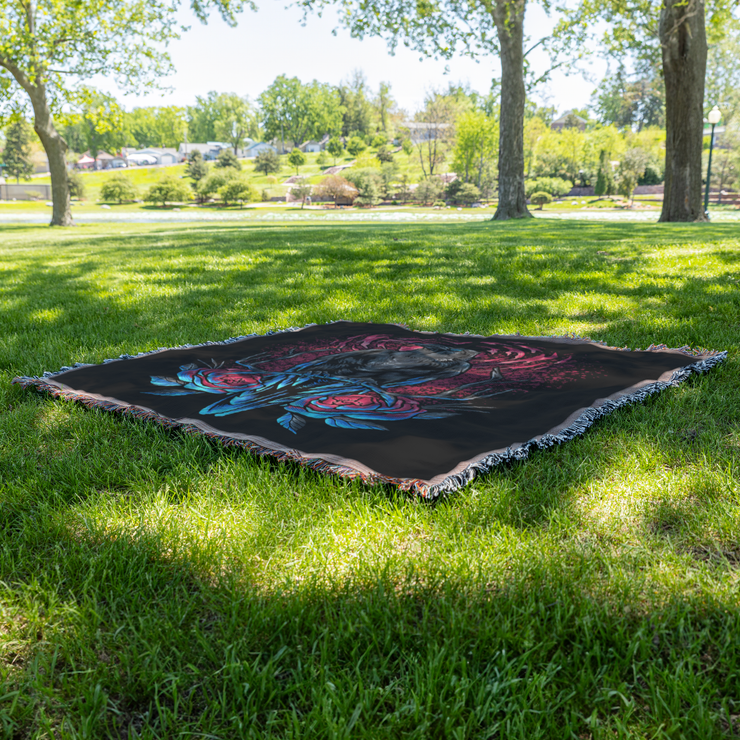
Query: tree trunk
[[54, 145], [684, 47], [509, 18], [56, 148]]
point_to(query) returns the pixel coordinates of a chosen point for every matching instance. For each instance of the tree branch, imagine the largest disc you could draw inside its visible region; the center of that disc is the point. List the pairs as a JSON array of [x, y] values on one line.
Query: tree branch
[[532, 48], [20, 77]]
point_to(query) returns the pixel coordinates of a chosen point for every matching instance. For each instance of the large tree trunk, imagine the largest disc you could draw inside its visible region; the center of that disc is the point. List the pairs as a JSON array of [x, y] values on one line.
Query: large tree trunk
[[509, 18], [56, 148], [684, 46]]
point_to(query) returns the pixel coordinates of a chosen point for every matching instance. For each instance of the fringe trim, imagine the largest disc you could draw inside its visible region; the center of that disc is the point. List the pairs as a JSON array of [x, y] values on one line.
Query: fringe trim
[[427, 491]]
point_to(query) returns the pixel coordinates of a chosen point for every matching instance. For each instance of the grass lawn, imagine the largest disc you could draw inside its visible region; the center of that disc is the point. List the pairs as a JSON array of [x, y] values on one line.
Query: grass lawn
[[157, 585], [144, 177]]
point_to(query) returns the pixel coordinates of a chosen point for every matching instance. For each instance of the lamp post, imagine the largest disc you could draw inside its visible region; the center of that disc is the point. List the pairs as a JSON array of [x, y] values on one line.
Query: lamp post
[[714, 115]]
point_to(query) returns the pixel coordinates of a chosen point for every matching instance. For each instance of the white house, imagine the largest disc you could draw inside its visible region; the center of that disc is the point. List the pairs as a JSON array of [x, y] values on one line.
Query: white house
[[152, 155], [209, 150], [315, 146], [420, 131], [569, 120], [257, 148]]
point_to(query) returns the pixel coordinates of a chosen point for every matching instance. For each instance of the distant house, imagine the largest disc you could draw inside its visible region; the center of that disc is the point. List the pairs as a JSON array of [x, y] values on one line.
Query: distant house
[[257, 148], [209, 150], [246, 143], [420, 131], [152, 155], [569, 120], [104, 160], [88, 162], [315, 146]]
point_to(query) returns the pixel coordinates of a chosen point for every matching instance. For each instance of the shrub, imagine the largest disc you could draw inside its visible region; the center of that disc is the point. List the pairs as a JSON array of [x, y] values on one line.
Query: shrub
[[323, 159], [462, 193], [227, 158], [632, 166], [209, 186], [555, 186], [388, 174], [468, 194], [368, 183], [76, 185], [335, 147], [539, 199], [404, 191], [267, 162], [237, 190], [356, 146], [429, 190], [605, 177], [118, 188], [384, 154], [168, 190], [651, 176], [380, 139]]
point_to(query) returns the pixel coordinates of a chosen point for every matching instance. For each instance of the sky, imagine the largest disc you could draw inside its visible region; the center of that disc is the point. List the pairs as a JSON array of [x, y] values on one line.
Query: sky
[[272, 41]]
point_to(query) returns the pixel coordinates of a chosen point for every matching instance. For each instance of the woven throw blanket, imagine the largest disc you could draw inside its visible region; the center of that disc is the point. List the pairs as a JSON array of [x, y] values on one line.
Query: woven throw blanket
[[424, 411]]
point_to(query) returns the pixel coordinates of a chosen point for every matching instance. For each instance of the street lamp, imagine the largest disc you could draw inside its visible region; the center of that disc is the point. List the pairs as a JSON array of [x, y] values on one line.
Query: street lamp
[[714, 115]]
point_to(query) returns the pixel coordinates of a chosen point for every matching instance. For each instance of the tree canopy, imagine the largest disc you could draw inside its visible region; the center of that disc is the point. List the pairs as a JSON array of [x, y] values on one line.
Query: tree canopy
[[48, 47], [296, 112], [223, 117], [155, 126]]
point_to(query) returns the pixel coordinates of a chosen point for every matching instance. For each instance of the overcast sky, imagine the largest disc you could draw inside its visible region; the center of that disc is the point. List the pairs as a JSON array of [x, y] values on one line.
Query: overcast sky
[[272, 41]]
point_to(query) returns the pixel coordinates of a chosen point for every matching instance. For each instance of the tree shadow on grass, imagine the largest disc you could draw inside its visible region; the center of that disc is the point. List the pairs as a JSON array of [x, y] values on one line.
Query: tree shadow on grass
[[126, 616], [114, 634], [238, 279], [132, 292]]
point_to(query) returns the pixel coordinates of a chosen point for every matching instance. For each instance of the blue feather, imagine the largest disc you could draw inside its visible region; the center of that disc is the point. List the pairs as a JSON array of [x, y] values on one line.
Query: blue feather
[[160, 380], [292, 422], [344, 422]]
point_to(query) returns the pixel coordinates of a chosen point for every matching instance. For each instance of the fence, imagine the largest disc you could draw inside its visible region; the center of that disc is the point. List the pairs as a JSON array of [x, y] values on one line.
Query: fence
[[24, 191]]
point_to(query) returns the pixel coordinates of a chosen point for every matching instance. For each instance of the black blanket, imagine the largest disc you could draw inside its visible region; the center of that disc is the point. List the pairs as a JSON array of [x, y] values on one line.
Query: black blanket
[[422, 410]]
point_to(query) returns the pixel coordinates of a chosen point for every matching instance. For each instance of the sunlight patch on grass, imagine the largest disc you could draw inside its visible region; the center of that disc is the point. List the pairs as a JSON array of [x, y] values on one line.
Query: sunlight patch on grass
[[176, 584]]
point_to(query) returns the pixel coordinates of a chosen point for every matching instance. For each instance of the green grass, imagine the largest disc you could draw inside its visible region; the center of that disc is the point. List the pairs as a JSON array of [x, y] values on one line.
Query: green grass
[[157, 585], [142, 178]]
